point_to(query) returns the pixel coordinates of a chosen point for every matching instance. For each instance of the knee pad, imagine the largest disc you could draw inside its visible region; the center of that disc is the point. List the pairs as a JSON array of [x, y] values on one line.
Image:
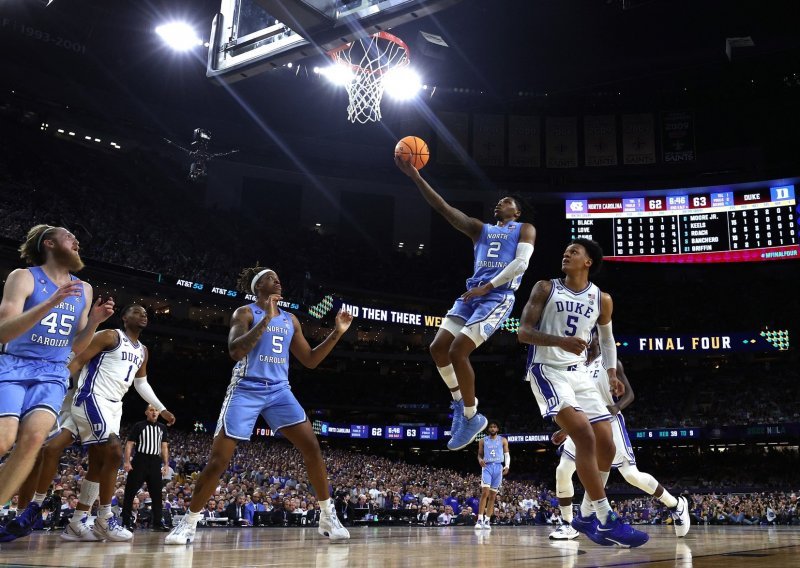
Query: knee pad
[[90, 491], [564, 472], [640, 479]]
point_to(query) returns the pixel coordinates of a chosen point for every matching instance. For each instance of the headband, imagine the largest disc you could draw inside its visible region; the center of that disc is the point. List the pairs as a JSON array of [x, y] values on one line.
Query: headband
[[256, 277], [41, 237]]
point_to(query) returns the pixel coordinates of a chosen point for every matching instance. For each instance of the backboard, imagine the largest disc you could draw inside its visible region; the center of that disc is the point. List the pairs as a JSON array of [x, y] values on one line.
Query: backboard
[[249, 37]]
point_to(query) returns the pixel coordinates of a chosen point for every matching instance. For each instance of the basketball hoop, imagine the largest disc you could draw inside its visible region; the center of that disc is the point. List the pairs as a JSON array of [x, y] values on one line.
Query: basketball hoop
[[367, 61]]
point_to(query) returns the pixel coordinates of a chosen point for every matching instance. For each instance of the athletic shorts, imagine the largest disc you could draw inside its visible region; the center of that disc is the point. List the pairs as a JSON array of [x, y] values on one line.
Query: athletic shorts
[[31, 384], [479, 318], [492, 476], [621, 441], [556, 388], [248, 399], [97, 419], [64, 422]]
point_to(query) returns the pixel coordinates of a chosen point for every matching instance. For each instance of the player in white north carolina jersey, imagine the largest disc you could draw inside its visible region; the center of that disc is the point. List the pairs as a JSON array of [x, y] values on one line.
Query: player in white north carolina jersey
[[114, 360], [624, 460], [557, 322], [502, 252]]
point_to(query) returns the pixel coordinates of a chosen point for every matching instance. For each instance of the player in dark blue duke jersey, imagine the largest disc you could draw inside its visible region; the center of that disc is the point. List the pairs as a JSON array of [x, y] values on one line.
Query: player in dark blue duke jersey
[[261, 337], [502, 252], [45, 314]]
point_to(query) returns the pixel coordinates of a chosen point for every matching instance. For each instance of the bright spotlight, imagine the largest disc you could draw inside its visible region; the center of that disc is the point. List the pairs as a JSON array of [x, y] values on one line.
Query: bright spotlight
[[402, 84], [179, 36], [338, 74]]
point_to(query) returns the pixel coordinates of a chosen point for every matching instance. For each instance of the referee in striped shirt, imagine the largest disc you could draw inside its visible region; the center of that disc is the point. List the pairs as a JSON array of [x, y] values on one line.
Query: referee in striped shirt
[[150, 461]]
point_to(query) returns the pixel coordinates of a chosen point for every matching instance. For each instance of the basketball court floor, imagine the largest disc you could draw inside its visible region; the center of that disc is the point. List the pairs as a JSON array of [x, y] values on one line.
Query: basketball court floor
[[387, 547]]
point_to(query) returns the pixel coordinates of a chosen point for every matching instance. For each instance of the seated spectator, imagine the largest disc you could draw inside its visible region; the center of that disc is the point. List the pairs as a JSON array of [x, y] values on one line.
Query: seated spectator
[[465, 517], [236, 512]]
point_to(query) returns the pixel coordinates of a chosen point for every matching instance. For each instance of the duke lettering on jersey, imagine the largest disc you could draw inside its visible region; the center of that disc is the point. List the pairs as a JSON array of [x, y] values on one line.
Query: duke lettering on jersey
[[566, 313], [574, 307], [110, 373], [599, 375], [496, 247], [269, 359], [51, 338]]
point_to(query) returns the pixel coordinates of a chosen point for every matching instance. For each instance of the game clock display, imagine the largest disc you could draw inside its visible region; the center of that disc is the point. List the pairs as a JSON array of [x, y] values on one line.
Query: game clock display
[[720, 226], [394, 432]]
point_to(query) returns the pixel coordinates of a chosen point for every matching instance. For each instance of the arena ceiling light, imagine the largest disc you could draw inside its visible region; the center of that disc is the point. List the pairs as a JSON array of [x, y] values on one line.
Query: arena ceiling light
[[337, 74], [180, 36], [402, 83]]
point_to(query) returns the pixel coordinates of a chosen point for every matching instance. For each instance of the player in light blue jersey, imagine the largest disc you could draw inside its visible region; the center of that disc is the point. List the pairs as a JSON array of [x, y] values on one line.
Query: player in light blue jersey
[[261, 337], [45, 314], [557, 322], [494, 459], [502, 253]]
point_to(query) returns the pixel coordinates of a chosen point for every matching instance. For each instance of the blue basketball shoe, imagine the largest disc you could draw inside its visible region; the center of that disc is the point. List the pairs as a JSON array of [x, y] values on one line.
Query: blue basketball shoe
[[457, 406], [586, 525], [468, 432], [619, 533], [21, 525]]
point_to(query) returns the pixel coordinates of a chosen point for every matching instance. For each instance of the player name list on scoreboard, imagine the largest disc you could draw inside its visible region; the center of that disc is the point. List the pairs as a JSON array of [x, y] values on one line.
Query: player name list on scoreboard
[[758, 224]]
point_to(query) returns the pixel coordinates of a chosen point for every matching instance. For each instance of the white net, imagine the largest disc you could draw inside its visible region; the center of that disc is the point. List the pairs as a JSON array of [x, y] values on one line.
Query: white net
[[365, 63]]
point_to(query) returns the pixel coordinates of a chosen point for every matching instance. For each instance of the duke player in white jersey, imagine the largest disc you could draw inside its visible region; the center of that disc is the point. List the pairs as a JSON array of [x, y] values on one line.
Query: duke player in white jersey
[[46, 313], [261, 337], [502, 253], [494, 459], [624, 459], [114, 360], [557, 322]]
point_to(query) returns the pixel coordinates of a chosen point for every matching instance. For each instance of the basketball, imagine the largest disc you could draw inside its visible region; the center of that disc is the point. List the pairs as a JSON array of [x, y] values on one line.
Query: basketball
[[414, 150]]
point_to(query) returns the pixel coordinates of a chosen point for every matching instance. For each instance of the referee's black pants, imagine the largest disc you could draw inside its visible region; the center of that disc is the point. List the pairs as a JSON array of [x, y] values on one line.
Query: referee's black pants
[[145, 469]]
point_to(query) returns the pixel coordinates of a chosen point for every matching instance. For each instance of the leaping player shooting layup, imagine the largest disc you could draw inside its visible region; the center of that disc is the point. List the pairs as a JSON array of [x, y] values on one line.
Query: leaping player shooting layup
[[502, 253]]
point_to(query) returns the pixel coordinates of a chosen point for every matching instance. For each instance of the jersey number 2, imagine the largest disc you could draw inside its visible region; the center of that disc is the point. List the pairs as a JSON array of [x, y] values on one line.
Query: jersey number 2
[[494, 246]]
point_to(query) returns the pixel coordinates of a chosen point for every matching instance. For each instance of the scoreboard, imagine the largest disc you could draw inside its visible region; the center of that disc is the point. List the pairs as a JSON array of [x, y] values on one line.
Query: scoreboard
[[725, 226]]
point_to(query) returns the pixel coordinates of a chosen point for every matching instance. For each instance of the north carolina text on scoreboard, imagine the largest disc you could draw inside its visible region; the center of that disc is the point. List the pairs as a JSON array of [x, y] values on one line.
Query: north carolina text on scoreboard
[[721, 226]]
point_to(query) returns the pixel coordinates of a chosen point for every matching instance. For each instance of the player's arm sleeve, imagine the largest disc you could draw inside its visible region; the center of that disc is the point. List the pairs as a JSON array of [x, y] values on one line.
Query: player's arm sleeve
[[608, 346], [146, 392], [507, 462], [516, 267]]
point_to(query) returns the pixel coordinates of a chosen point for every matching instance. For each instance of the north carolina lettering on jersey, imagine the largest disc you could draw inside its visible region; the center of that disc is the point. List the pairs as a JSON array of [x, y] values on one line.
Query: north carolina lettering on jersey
[[41, 340], [276, 329], [498, 236], [492, 264], [65, 306], [272, 359]]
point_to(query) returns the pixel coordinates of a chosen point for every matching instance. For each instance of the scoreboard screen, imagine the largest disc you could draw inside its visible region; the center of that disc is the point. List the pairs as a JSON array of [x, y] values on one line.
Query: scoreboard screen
[[725, 226], [665, 434], [359, 431], [429, 433], [394, 432]]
